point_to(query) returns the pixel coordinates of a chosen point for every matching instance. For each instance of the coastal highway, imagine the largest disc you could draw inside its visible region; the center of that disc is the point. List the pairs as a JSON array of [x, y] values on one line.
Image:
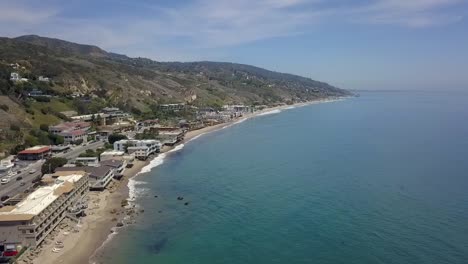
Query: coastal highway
[[14, 186], [74, 152]]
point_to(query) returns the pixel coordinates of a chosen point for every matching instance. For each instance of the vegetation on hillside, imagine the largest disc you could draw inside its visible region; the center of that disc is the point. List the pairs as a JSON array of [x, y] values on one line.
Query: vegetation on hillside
[[85, 79]]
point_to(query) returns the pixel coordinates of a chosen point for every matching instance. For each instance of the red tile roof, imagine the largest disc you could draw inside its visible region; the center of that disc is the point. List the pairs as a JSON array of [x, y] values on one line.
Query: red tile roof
[[35, 151]]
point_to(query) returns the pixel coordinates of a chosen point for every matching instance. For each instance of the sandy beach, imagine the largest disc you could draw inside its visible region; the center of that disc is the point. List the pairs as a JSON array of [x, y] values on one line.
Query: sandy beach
[[108, 209]]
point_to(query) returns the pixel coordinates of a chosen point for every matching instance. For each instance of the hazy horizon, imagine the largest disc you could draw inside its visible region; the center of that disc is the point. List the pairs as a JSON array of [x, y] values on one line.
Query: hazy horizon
[[363, 45]]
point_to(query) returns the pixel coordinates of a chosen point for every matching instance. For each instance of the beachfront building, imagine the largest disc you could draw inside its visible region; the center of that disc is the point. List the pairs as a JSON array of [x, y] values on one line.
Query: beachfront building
[[27, 223], [35, 153], [140, 148], [99, 177], [117, 165], [237, 108], [171, 136]]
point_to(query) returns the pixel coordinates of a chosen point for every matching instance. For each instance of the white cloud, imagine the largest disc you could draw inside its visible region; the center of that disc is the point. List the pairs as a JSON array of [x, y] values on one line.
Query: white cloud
[[412, 13], [16, 18], [205, 24]]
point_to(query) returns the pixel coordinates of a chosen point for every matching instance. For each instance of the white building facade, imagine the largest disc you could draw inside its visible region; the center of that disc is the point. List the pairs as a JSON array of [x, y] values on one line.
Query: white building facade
[[31, 220], [140, 148]]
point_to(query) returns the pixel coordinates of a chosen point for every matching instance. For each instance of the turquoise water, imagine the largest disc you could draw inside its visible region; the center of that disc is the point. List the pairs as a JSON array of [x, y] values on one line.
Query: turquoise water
[[382, 178]]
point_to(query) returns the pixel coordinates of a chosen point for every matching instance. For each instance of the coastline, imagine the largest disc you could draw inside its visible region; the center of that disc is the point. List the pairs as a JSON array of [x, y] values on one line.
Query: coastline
[[106, 209]]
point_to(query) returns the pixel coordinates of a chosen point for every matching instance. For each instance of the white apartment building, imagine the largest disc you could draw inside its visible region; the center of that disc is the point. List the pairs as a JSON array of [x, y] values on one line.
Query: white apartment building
[[27, 223], [140, 148]]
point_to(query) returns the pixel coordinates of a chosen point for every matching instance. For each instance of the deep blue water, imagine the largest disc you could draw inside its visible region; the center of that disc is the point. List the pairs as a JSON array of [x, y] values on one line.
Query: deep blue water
[[382, 178]]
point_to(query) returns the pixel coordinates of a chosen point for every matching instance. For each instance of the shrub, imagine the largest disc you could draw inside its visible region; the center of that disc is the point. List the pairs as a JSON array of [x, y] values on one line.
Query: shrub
[[53, 163], [17, 149], [14, 127], [44, 99], [4, 107], [78, 142], [44, 127], [116, 137]]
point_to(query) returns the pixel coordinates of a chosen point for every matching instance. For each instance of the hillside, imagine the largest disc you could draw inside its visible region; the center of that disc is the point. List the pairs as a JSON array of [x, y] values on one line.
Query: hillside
[[133, 84]]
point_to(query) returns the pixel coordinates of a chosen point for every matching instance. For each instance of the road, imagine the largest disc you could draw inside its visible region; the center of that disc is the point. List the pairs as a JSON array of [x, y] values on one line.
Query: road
[[74, 152], [14, 186]]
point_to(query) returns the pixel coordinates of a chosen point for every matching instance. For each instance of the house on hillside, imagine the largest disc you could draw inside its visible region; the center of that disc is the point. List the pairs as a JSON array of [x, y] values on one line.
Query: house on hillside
[[15, 77], [172, 107], [71, 131], [43, 79]]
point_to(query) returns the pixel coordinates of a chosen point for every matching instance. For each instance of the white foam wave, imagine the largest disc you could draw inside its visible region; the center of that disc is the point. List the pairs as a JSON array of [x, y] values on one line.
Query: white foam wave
[[197, 136], [134, 186], [276, 111], [108, 239], [135, 189], [153, 164], [177, 148], [289, 107]]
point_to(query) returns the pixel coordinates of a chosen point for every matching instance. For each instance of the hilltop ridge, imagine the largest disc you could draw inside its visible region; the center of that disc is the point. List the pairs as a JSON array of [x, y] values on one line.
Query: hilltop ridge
[[136, 85]]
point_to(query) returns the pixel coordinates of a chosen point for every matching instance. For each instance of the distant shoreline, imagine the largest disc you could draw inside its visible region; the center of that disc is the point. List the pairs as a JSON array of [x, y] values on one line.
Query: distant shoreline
[[100, 227]]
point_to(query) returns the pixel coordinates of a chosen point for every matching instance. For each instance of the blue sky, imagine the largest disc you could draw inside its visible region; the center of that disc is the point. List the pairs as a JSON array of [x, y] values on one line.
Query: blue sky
[[362, 44]]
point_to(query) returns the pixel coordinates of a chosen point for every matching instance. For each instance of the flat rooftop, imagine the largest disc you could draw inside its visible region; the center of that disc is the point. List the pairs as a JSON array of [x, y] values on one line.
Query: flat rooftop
[[35, 150], [38, 200], [113, 153]]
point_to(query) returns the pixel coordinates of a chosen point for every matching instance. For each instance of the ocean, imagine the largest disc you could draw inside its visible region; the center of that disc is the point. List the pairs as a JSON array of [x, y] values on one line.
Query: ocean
[[382, 178]]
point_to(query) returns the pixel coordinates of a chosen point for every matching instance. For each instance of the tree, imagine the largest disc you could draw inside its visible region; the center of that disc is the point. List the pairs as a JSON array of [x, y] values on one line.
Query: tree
[[53, 163], [4, 107], [14, 127], [116, 137], [44, 127], [56, 139], [78, 142], [17, 149]]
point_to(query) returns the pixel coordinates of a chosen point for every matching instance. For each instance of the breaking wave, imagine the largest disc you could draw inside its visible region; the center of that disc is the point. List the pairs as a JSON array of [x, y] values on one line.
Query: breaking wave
[[276, 111], [135, 188]]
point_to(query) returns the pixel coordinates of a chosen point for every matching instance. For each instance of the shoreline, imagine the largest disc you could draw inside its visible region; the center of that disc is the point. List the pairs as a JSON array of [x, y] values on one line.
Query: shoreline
[[100, 225]]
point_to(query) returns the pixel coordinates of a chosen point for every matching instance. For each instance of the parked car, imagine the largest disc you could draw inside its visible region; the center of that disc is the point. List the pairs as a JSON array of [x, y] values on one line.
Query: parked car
[[4, 198], [4, 181], [32, 171], [18, 172]]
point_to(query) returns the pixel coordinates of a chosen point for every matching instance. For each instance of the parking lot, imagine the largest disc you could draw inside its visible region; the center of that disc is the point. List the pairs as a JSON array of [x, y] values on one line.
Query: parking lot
[[19, 179]]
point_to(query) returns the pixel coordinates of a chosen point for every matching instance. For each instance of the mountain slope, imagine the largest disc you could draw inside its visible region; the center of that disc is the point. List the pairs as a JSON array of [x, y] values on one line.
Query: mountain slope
[[137, 85], [89, 69]]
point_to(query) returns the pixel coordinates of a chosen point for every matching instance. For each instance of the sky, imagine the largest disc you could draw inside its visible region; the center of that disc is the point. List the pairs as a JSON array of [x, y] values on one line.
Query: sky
[[352, 44]]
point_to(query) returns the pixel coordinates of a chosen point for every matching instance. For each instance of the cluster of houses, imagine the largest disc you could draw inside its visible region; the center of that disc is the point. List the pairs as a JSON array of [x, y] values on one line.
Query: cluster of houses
[[16, 77], [71, 131], [26, 222]]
